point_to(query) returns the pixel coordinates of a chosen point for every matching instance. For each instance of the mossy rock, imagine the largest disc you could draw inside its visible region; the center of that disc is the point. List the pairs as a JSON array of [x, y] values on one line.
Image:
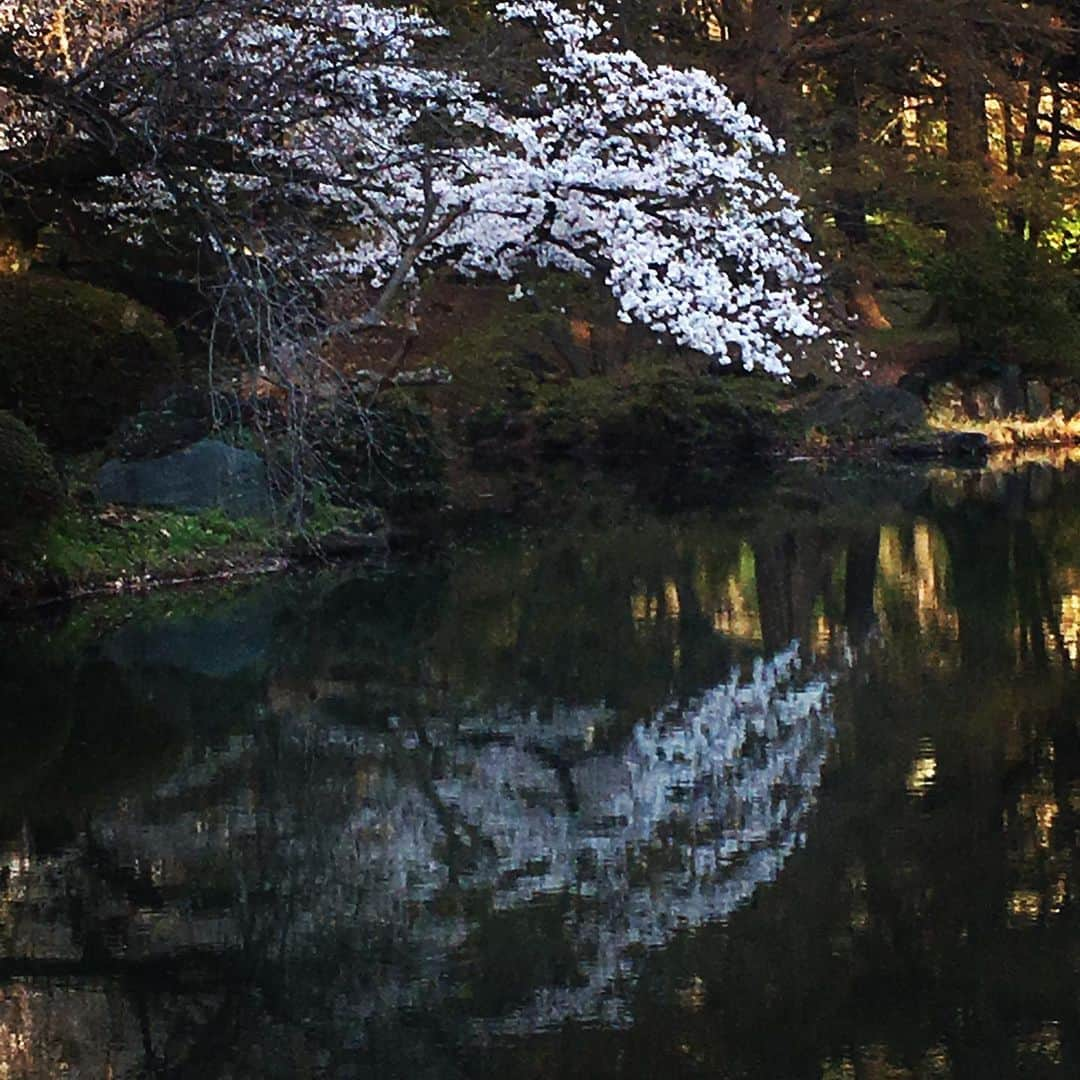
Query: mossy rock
[[75, 359], [30, 489]]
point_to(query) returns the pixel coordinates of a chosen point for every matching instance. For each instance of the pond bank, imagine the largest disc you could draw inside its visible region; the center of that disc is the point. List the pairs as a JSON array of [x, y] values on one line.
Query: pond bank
[[659, 436], [95, 552]]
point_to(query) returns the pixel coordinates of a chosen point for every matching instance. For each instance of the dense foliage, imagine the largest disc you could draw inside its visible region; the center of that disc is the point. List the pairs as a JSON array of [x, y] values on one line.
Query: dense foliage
[[75, 359], [1011, 301], [29, 487]]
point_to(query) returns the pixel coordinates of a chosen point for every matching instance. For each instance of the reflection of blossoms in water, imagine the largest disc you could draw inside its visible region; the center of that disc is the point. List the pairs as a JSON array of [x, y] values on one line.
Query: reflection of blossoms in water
[[672, 829], [359, 859]]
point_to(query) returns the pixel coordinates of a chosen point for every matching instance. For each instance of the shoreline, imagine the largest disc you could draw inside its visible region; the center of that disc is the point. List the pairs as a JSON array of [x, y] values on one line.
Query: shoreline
[[30, 589]]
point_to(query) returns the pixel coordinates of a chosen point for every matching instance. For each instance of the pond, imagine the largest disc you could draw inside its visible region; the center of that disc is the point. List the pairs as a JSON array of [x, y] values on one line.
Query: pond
[[784, 787]]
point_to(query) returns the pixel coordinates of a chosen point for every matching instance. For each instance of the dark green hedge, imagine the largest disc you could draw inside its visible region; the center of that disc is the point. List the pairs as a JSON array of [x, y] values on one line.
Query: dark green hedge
[[29, 486], [75, 359]]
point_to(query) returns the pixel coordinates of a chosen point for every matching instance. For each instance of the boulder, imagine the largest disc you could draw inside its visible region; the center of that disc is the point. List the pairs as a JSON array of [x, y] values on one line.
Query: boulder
[[965, 444], [867, 411], [945, 398], [208, 475], [1013, 399], [1065, 399], [351, 540]]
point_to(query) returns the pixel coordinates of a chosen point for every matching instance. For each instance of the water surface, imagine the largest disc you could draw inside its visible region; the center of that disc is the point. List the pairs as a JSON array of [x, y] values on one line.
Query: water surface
[[784, 787]]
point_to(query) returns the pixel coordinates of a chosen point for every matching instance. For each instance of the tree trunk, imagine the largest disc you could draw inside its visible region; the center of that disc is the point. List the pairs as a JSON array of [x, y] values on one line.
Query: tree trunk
[[848, 194], [770, 38], [968, 136], [849, 198], [1018, 221], [862, 303]]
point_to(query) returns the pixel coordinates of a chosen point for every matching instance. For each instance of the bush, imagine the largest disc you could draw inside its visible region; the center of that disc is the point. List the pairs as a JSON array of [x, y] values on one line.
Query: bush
[[75, 359], [30, 489], [386, 455], [661, 413], [900, 248], [1012, 302]]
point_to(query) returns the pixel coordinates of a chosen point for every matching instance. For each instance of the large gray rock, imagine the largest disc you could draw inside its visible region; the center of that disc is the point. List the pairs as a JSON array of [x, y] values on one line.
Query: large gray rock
[[1012, 390], [867, 411], [946, 399], [208, 475], [960, 446]]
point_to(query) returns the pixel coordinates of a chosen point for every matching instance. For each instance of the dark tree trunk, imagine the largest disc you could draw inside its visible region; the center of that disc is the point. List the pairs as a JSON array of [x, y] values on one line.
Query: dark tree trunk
[[859, 584], [770, 38], [969, 213], [848, 194]]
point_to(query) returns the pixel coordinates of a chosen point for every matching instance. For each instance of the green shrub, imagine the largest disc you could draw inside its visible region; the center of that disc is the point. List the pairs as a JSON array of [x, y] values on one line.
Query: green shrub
[[661, 413], [386, 455], [900, 248], [75, 359], [1012, 302], [30, 489]]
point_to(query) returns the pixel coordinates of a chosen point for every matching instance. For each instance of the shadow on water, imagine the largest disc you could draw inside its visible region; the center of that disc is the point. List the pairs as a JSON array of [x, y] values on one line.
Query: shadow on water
[[788, 789]]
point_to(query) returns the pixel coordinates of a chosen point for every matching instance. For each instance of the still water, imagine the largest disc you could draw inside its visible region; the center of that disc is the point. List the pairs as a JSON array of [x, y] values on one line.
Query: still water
[[788, 787]]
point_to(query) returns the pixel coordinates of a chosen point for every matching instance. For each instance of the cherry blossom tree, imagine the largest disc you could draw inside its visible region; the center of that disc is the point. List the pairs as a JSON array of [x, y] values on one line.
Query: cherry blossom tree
[[285, 148], [274, 153]]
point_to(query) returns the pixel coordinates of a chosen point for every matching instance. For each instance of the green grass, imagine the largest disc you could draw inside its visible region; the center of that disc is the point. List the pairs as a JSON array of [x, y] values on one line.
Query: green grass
[[84, 547]]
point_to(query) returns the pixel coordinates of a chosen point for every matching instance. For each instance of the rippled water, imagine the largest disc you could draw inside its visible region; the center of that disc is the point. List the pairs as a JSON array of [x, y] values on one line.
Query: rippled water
[[787, 788]]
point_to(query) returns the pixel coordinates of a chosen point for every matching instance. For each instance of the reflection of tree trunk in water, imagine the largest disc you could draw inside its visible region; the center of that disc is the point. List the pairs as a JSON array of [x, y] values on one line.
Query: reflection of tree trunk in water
[[211, 1036], [979, 546], [1034, 602], [563, 768], [859, 581], [1064, 736], [790, 570], [695, 627], [141, 1007], [772, 563]]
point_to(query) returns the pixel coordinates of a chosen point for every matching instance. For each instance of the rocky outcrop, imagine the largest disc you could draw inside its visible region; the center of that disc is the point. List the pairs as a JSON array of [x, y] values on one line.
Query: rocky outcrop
[[1008, 397]]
